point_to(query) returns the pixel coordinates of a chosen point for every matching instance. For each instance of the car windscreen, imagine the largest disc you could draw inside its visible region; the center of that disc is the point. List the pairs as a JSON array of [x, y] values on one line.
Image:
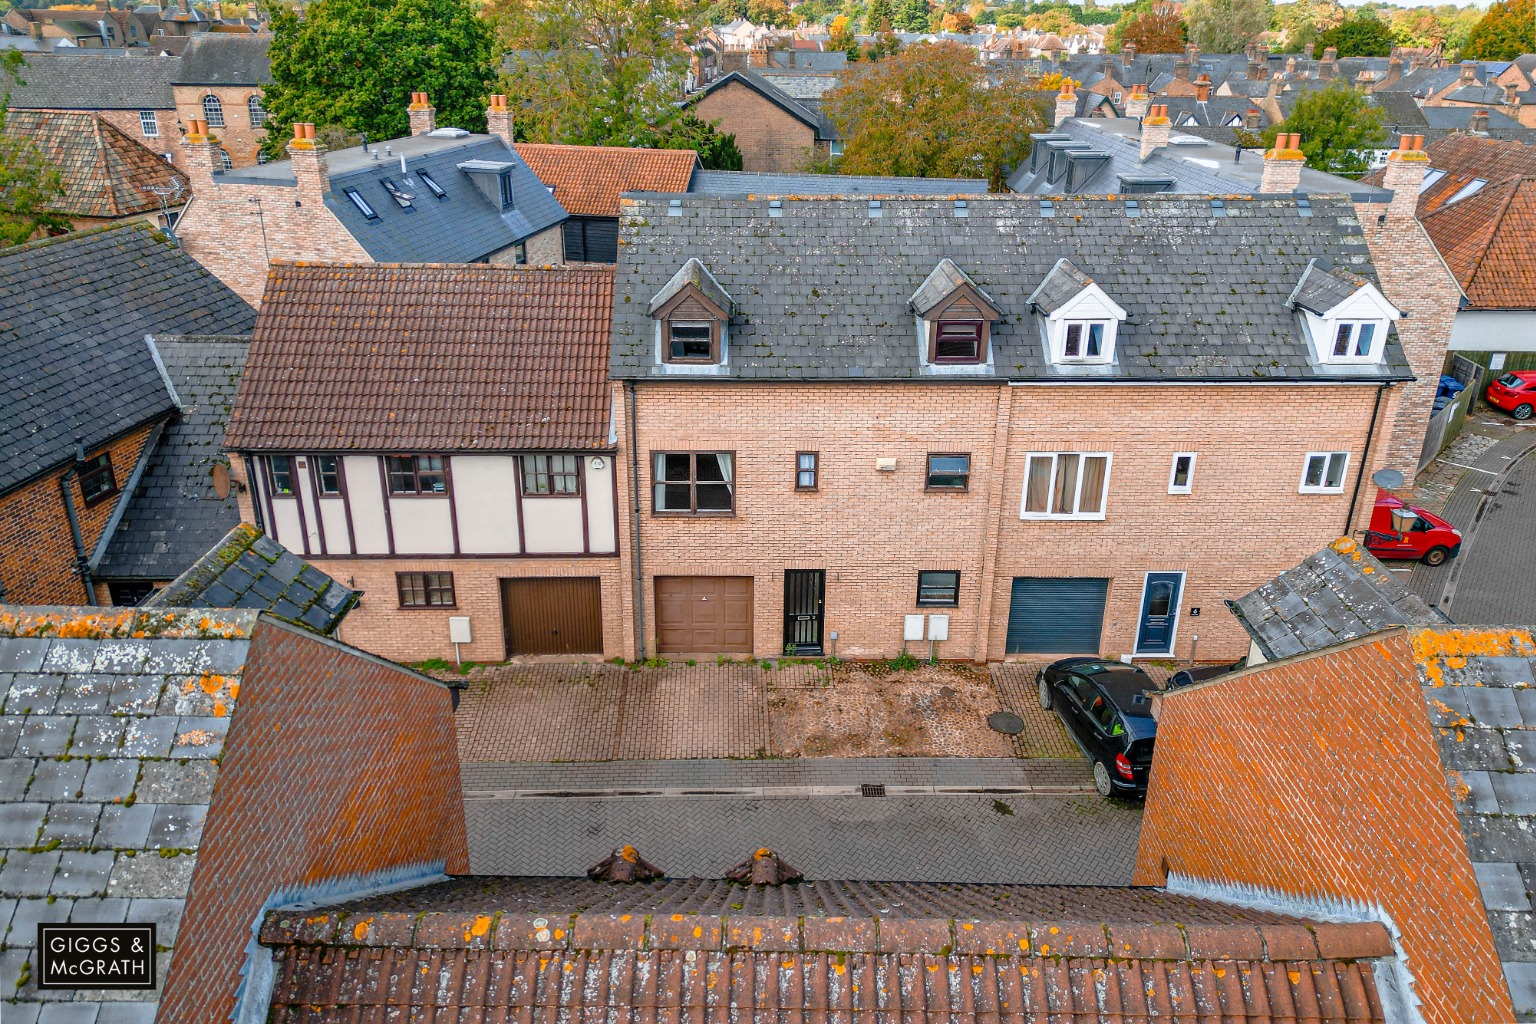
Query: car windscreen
[[1098, 668], [1511, 381]]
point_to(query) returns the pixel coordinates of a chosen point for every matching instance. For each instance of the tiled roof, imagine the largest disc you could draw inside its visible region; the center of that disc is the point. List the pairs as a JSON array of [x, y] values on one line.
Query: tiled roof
[[251, 571], [588, 180], [1464, 157], [1340, 593], [427, 358], [94, 82], [1322, 288], [744, 183], [175, 516], [77, 309], [820, 288], [106, 172], [111, 742], [220, 58], [505, 949], [1487, 240]]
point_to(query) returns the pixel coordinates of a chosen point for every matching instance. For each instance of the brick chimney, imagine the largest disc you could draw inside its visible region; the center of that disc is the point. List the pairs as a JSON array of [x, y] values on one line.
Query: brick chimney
[[1154, 130], [1469, 72], [1405, 175], [1253, 119], [1282, 166], [1181, 69], [310, 168], [1136, 103], [1394, 69], [202, 154], [1251, 51], [422, 114], [1477, 124], [1290, 67], [1066, 103], [1203, 88], [1307, 51], [1127, 56], [498, 119], [1330, 63]]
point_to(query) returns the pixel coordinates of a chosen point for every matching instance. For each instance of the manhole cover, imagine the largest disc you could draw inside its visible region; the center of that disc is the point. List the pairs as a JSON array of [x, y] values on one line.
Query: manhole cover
[[1006, 722]]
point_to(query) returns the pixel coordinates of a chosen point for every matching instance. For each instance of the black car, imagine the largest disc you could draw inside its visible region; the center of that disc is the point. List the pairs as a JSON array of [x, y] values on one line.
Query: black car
[[1107, 709], [1184, 677]]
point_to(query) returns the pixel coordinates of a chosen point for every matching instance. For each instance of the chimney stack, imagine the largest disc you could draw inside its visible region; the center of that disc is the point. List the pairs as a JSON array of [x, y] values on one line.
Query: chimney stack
[[1282, 166], [202, 151], [1307, 51], [1468, 72], [498, 119], [1290, 67], [1253, 119], [311, 171], [1203, 88], [1066, 103], [1477, 124], [1329, 63], [1405, 176], [1181, 69], [423, 116], [1136, 103], [1128, 55], [1154, 131]]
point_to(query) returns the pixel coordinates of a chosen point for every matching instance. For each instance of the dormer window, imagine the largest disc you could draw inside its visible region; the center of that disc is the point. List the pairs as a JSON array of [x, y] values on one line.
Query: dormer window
[[1354, 340], [692, 314], [692, 341], [958, 341], [1344, 317], [1078, 320], [1084, 341], [954, 321]]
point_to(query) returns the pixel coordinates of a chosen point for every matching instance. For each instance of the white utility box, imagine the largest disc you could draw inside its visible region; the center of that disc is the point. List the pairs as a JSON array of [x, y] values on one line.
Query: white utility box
[[938, 627], [912, 627], [459, 631]]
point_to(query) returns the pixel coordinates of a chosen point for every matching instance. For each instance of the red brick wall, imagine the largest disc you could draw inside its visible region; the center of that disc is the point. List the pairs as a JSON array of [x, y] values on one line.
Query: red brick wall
[[240, 138], [769, 138], [336, 767], [37, 553], [1319, 777]]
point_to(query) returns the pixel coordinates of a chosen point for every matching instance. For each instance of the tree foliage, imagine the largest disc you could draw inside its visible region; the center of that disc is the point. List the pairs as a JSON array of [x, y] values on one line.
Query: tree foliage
[[1504, 33], [717, 151], [1226, 26], [354, 63], [1338, 129], [912, 16], [1303, 21], [928, 112], [1154, 28], [28, 182], [880, 17], [1360, 36]]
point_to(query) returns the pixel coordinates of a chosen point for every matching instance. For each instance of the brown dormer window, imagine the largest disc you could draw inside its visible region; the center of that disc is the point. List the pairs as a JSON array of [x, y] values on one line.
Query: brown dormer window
[[958, 341], [693, 341]]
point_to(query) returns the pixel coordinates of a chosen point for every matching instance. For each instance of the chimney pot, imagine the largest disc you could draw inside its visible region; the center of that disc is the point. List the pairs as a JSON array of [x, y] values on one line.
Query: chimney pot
[[298, 130], [309, 131], [1154, 130], [421, 114], [1282, 166]]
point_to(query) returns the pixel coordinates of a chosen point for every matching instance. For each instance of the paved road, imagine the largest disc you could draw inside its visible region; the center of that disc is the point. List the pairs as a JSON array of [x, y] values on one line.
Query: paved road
[[1495, 582]]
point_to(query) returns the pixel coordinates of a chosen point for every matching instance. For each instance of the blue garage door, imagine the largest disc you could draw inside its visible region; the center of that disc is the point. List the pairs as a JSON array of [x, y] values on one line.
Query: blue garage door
[[1056, 616]]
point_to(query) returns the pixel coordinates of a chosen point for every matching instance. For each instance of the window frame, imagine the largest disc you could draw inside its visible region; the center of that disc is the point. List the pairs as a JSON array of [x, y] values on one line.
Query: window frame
[[291, 491], [149, 124], [814, 469], [256, 110], [1305, 488], [508, 197], [226, 162], [929, 485], [364, 207], [427, 589], [432, 185], [213, 112], [666, 341], [1350, 331], [1077, 495], [1188, 487], [100, 467], [549, 472], [1085, 337], [390, 473], [320, 475], [979, 328], [399, 194], [920, 602], [693, 510]]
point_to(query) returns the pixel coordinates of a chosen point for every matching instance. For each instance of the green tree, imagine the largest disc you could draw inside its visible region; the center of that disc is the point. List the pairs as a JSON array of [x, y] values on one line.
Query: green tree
[[928, 112], [717, 150], [1416, 27], [912, 16], [774, 13], [1459, 25], [1360, 36], [1302, 22], [1338, 129], [880, 17], [1226, 26], [28, 182], [1504, 33], [354, 63]]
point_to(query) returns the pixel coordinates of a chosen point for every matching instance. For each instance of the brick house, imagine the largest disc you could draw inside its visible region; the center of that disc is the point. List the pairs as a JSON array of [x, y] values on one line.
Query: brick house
[[840, 413], [134, 96], [774, 130], [184, 768], [219, 79], [440, 438], [441, 195], [87, 400]]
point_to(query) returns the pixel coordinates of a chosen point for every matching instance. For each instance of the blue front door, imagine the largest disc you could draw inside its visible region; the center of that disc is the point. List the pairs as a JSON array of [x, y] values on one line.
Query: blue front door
[[1159, 613]]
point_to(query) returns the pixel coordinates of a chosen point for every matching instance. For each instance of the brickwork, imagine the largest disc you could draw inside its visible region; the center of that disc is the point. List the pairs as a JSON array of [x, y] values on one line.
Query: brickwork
[[37, 552], [769, 138], [336, 767], [241, 139], [1317, 801]]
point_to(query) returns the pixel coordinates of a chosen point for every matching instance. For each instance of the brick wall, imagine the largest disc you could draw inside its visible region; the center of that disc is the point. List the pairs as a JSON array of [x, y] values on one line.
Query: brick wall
[[336, 767], [769, 138], [1319, 777], [37, 552], [241, 139]]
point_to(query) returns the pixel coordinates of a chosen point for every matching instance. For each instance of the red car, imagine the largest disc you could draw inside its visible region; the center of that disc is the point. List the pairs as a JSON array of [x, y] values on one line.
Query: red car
[[1515, 393], [1428, 539]]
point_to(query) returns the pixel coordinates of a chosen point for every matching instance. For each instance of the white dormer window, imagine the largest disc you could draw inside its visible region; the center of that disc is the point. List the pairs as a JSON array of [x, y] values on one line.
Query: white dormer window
[[954, 322], [1084, 340], [1354, 340], [1079, 320], [1345, 317]]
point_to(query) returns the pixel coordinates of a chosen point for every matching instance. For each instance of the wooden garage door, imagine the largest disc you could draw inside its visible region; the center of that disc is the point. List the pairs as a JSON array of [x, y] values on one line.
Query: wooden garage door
[[704, 614], [553, 615]]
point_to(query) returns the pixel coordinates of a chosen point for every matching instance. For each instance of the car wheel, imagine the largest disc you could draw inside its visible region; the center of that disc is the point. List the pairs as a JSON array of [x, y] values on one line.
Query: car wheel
[[1045, 692], [1435, 556], [1101, 779], [1522, 412]]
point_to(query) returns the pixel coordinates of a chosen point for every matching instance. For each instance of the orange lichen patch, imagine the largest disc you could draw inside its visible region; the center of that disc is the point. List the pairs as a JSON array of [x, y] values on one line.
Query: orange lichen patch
[[1436, 650], [480, 927], [1345, 546], [1459, 786], [234, 691], [210, 682], [219, 709], [360, 930], [194, 738]]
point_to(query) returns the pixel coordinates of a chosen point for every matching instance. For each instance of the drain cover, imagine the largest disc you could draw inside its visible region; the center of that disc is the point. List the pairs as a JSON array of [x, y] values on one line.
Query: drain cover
[[872, 789], [1006, 722]]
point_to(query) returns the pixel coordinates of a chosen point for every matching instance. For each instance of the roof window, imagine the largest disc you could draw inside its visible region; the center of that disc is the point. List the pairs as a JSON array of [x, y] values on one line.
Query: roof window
[[1430, 177], [362, 204], [875, 209], [398, 194], [1470, 188], [961, 208], [775, 208], [674, 207], [1218, 208], [1132, 208], [1304, 206], [432, 186], [1047, 208]]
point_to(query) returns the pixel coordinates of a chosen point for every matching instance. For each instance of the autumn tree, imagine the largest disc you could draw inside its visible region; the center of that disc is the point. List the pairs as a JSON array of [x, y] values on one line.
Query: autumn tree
[[769, 12], [1416, 27], [1338, 129], [1226, 26], [959, 21], [1361, 36], [928, 112], [1156, 28], [1504, 33], [840, 34], [1303, 21], [28, 182]]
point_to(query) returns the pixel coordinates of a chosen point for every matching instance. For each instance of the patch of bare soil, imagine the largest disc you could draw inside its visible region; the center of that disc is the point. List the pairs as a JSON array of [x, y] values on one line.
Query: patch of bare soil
[[869, 711]]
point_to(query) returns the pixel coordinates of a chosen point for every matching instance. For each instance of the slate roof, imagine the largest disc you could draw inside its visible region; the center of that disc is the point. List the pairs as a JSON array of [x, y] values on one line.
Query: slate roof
[[252, 572], [427, 358], [106, 172], [1322, 287], [225, 58], [745, 183], [588, 180], [822, 290], [174, 516], [1063, 284], [1340, 593], [765, 88], [110, 750], [699, 949], [77, 309], [1487, 240], [95, 82]]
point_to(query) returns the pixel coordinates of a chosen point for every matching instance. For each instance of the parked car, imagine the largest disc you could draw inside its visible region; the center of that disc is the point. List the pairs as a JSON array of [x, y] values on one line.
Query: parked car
[[1428, 539], [1186, 676], [1107, 709], [1515, 393]]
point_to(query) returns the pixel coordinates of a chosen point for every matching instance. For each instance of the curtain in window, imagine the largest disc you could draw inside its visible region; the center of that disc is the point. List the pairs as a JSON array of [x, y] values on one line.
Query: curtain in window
[[1037, 492], [1093, 484], [1065, 499]]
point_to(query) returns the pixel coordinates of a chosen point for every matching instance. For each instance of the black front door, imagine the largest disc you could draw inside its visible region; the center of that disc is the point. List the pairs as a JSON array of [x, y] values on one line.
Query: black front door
[[804, 590]]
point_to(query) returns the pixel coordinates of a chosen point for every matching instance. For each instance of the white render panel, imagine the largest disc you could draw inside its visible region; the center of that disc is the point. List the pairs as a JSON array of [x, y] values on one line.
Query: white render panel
[[600, 500], [365, 497], [285, 523], [1494, 330], [333, 520], [485, 493], [301, 485], [422, 526], [552, 525]]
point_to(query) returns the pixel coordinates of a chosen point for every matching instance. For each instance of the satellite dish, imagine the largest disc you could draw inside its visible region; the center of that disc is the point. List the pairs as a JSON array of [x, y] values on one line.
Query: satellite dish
[[1387, 479], [221, 481]]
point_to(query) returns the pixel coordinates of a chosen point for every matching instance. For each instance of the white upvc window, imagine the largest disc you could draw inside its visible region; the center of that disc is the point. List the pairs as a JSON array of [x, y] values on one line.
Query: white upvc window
[[1065, 485], [1356, 341], [1181, 477], [149, 124], [1324, 472], [1083, 341]]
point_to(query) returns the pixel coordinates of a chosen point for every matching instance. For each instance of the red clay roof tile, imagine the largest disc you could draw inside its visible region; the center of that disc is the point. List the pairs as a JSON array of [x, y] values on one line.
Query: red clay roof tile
[[588, 180]]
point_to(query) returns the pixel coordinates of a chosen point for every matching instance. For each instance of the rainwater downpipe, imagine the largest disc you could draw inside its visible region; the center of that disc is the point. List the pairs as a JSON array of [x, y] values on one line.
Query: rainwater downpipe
[[1365, 458], [82, 559], [634, 488]]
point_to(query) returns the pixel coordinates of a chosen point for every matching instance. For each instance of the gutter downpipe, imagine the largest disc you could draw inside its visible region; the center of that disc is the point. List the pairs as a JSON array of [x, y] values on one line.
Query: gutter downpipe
[[634, 487], [82, 559], [1365, 458]]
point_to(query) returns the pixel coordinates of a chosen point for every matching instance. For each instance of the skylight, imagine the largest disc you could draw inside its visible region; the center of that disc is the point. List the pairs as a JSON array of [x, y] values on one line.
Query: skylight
[[432, 186], [1430, 177], [362, 204], [1470, 188], [399, 194]]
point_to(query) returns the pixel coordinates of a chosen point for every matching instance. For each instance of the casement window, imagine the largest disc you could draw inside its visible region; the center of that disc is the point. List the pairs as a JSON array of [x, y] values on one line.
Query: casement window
[[257, 112], [1323, 473], [433, 186], [693, 483], [1066, 485], [226, 163], [402, 198], [958, 341], [213, 111], [692, 341], [506, 191], [363, 206], [807, 471], [1354, 341], [1084, 341], [417, 474], [949, 472], [327, 474], [520, 253], [425, 589], [280, 474], [149, 124], [550, 476], [938, 589], [1181, 478], [96, 480]]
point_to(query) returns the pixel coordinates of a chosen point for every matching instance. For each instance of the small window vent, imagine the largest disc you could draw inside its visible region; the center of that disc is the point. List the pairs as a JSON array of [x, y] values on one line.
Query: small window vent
[[876, 211], [961, 208], [1218, 208], [775, 208], [674, 207], [1047, 208], [1132, 208], [1303, 206]]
